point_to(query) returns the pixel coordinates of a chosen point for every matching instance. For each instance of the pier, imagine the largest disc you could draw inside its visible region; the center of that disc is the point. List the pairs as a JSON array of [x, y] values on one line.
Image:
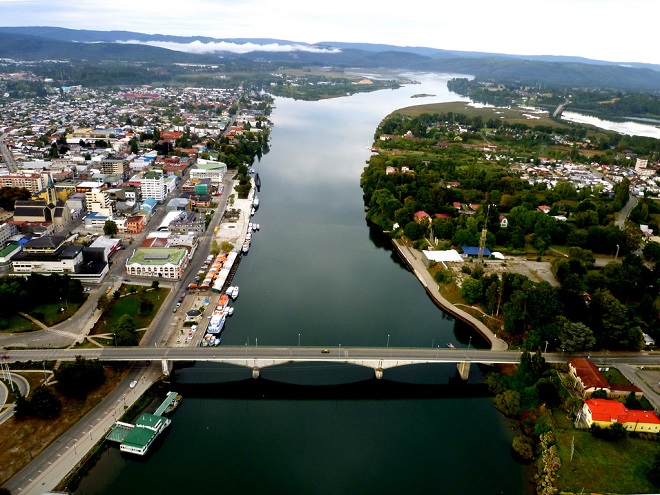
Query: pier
[[137, 438]]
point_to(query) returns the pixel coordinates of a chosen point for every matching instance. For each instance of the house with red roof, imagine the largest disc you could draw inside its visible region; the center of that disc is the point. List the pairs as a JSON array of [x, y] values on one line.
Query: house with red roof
[[421, 215], [543, 208], [605, 412], [588, 378], [443, 216]]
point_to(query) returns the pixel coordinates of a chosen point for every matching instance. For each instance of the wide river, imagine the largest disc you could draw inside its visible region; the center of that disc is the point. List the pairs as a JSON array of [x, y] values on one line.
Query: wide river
[[318, 275]]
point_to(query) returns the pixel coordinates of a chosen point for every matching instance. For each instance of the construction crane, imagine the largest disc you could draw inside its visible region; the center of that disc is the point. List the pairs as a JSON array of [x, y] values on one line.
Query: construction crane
[[482, 241]]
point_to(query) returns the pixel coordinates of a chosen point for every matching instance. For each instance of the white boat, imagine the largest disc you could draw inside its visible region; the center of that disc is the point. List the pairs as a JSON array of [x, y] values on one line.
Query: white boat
[[256, 226], [246, 246], [234, 292], [255, 202], [229, 310], [252, 212], [248, 236], [217, 322]]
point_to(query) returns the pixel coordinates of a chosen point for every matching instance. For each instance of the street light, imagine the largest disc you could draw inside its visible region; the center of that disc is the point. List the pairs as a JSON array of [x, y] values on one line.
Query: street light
[[546, 347], [298, 340], [339, 350], [388, 340]]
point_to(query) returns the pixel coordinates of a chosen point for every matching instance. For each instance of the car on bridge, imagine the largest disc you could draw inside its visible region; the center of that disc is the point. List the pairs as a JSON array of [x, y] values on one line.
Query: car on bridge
[[325, 351]]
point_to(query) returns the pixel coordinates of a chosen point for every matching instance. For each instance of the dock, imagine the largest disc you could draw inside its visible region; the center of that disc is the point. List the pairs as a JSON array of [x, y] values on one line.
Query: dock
[[137, 438]]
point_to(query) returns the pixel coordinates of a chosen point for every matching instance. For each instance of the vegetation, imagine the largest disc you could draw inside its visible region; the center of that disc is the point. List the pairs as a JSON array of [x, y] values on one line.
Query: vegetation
[[43, 403], [78, 378], [9, 196], [25, 294], [432, 162]]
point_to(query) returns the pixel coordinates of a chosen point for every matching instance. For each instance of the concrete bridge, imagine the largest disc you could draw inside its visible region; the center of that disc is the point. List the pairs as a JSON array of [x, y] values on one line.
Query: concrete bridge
[[257, 358]]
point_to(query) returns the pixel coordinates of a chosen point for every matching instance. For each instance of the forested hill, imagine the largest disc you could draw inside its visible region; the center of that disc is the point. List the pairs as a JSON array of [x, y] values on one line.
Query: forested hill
[[50, 43]]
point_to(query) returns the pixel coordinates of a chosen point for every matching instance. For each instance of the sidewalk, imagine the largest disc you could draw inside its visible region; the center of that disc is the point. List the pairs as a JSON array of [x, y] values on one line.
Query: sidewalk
[[46, 471], [414, 261]]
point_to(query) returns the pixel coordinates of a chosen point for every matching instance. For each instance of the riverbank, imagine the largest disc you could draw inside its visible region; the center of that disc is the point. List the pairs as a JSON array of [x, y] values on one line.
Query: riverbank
[[417, 266]]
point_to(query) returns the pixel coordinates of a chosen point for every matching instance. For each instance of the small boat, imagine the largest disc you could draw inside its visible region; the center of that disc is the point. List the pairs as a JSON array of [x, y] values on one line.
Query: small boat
[[255, 202], [232, 291], [252, 211], [248, 236], [256, 226], [246, 247], [251, 171], [451, 346], [229, 310]]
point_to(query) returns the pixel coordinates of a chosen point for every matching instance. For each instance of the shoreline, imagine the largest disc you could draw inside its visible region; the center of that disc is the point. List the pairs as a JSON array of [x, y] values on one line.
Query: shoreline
[[417, 266]]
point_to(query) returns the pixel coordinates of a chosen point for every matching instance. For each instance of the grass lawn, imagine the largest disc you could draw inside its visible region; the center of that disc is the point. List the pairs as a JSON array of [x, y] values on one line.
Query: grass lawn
[[53, 312], [599, 466], [16, 323], [614, 376], [128, 305]]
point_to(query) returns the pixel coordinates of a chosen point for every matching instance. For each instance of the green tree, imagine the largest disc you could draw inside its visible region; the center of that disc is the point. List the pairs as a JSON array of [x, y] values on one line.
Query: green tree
[[575, 336], [78, 378], [124, 331], [155, 284], [523, 448], [471, 290], [44, 403], [508, 402], [110, 228], [652, 251], [215, 249]]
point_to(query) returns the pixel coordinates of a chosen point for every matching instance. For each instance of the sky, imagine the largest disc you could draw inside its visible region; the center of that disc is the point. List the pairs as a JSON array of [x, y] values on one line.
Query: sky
[[612, 30]]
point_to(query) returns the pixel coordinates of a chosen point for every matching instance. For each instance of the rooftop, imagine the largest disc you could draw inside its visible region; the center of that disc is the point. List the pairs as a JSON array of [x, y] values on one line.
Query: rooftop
[[158, 256]]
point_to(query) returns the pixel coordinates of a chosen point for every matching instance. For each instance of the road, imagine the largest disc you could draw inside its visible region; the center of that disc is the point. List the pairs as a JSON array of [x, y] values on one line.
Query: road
[[57, 460], [625, 211], [8, 158], [241, 354]]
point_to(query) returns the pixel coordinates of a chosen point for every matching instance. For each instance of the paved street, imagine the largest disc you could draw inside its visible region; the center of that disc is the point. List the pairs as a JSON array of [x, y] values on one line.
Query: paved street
[[57, 460]]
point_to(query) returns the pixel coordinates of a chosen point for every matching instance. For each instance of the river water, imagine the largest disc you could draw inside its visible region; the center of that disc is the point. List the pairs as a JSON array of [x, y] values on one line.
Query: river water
[[628, 127], [316, 274]]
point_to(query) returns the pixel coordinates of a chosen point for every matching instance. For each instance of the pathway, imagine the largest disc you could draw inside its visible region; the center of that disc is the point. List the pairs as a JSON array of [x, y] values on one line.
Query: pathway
[[414, 261]]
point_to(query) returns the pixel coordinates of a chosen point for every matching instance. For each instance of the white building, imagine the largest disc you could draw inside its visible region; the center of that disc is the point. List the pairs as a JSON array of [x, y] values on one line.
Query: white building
[[152, 185], [98, 201]]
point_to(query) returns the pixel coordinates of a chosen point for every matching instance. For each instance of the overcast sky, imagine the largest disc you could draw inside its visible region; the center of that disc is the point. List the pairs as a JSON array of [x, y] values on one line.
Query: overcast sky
[[614, 30]]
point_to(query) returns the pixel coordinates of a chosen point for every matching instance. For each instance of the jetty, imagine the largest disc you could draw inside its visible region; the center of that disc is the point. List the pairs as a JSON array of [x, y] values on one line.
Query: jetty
[[137, 438]]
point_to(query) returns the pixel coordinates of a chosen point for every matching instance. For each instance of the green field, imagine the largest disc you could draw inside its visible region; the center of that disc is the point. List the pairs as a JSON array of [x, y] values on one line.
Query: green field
[[511, 115], [599, 466], [128, 305]]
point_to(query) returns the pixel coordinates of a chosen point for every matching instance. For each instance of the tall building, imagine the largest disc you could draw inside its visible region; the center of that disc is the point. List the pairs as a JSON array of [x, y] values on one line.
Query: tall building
[[32, 182], [153, 186], [97, 200]]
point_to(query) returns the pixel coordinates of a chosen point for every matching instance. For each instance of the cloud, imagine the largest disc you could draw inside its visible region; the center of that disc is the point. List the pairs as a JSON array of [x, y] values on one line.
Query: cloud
[[225, 46]]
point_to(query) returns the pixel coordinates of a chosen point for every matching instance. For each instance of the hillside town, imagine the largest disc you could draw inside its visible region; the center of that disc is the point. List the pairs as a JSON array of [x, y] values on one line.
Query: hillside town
[[91, 162]]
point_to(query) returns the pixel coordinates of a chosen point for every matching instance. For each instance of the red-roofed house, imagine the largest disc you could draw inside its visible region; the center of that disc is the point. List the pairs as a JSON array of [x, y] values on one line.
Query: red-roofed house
[[456, 205], [588, 379], [543, 208], [443, 216], [420, 215], [504, 223], [604, 412]]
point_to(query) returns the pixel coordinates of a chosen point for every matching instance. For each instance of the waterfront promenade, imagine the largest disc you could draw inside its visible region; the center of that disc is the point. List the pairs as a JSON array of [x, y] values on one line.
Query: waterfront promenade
[[415, 263]]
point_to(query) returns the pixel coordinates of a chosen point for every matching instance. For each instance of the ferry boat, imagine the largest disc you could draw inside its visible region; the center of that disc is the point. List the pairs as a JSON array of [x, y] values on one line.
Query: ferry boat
[[217, 322]]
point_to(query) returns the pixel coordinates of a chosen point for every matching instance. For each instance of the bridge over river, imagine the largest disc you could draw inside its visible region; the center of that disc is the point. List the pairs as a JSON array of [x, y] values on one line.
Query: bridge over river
[[258, 357]]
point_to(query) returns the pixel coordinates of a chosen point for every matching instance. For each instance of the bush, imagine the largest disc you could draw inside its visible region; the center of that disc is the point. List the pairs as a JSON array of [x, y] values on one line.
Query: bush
[[522, 448], [442, 277]]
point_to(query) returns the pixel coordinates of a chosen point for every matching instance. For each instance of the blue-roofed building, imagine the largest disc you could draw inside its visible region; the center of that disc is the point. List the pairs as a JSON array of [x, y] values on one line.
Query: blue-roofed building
[[148, 205], [473, 251]]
